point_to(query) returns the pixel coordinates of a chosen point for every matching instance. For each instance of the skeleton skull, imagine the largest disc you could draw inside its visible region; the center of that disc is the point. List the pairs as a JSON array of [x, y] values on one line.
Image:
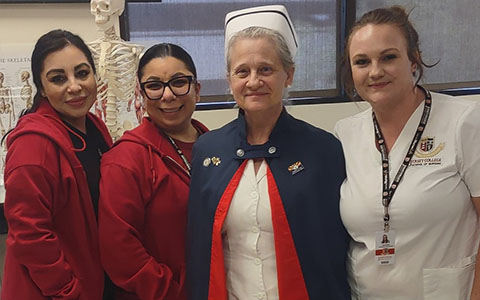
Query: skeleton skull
[[105, 12], [25, 75]]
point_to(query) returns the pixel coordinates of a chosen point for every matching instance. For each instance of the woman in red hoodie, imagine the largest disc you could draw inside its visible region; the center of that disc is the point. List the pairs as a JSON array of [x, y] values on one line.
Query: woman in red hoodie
[[52, 179], [145, 182]]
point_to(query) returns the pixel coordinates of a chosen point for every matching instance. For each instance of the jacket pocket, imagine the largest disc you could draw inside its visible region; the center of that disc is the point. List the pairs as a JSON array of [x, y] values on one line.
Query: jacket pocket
[[449, 283]]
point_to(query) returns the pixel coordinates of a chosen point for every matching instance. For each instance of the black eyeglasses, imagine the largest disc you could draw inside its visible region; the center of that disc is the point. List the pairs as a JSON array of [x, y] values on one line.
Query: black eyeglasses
[[179, 86]]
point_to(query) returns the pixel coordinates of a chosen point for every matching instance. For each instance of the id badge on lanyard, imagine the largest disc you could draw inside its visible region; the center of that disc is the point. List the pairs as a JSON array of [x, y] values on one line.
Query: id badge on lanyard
[[385, 247], [385, 240]]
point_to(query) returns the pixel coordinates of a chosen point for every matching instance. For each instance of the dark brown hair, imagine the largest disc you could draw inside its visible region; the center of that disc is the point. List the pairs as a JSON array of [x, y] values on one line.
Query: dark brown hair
[[166, 50], [397, 16], [47, 44]]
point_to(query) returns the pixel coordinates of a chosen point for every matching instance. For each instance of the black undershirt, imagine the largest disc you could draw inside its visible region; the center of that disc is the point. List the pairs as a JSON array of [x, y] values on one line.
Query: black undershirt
[[90, 160], [90, 157]]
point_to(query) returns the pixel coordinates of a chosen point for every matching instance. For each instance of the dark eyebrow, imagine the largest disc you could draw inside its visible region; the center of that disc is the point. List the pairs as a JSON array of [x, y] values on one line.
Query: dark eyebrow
[[178, 74], [361, 55], [63, 71], [155, 78], [81, 66], [55, 71]]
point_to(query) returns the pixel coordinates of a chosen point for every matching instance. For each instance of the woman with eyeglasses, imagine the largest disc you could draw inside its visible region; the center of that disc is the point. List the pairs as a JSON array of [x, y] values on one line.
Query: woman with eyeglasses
[[145, 182]]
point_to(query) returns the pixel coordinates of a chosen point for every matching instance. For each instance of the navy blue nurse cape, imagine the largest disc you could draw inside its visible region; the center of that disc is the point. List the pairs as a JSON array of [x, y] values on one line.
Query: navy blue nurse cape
[[305, 170]]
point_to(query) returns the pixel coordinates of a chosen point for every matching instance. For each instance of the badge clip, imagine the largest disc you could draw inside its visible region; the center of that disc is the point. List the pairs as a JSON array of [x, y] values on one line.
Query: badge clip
[[216, 161], [295, 167]]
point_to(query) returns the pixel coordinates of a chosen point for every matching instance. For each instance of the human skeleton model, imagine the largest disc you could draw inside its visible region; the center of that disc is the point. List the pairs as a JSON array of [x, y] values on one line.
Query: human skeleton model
[[26, 91], [138, 103], [116, 62], [6, 106]]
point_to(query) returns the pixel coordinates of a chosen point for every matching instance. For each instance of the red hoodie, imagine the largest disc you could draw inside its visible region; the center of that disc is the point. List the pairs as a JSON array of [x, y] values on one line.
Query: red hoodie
[[52, 242], [143, 215]]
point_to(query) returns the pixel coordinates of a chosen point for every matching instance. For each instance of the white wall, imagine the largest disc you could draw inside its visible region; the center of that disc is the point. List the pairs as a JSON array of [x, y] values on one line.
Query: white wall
[[321, 115], [25, 23]]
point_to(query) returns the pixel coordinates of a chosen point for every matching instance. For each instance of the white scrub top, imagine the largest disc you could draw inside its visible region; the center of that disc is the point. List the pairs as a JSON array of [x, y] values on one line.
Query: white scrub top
[[436, 225]]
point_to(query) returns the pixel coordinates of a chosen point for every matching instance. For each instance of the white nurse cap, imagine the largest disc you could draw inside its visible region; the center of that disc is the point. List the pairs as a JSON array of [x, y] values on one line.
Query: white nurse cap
[[271, 16]]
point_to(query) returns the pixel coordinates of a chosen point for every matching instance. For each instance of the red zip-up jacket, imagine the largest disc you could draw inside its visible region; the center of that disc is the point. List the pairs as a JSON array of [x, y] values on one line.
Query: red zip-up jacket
[[52, 242], [143, 215]]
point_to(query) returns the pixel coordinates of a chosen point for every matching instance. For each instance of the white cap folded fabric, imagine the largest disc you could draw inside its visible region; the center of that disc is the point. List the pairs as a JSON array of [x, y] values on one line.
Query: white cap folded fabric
[[271, 16]]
